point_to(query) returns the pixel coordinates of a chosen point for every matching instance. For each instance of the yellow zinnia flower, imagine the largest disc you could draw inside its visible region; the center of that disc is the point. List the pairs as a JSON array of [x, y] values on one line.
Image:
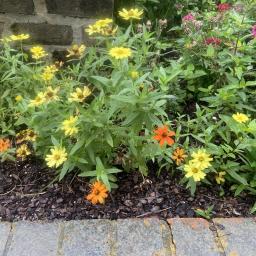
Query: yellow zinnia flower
[[23, 151], [18, 98], [80, 94], [131, 14], [48, 72], [57, 157], [220, 177], [102, 27], [76, 51], [39, 100], [202, 158], [51, 94], [38, 52], [120, 52], [69, 126], [92, 29], [240, 118], [194, 170], [103, 23], [19, 37]]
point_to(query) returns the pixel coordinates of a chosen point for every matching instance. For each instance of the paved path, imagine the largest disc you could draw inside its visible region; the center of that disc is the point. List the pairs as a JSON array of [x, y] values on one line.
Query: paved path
[[133, 237]]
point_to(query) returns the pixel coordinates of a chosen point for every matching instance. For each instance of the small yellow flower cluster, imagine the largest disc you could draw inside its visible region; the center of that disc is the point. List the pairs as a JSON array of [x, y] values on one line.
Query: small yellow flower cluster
[[134, 74], [120, 52], [80, 94], [18, 98], [23, 151], [14, 38], [49, 95], [219, 177], [19, 37], [240, 118], [57, 157], [25, 135], [38, 52], [132, 14], [102, 27], [76, 51], [49, 72], [195, 167], [69, 126]]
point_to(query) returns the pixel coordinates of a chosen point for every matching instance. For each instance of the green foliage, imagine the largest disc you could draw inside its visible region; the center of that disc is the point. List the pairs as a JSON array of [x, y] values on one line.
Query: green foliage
[[197, 77], [207, 214]]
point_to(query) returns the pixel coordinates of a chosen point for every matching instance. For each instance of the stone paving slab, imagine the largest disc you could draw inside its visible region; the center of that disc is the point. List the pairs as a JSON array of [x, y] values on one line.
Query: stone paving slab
[[193, 237], [143, 238], [133, 237], [237, 236], [31, 239], [4, 233], [88, 238]]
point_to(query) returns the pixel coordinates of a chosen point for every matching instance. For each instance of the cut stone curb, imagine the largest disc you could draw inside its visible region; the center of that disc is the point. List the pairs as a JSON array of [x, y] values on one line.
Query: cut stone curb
[[4, 234], [193, 237], [133, 237], [237, 236]]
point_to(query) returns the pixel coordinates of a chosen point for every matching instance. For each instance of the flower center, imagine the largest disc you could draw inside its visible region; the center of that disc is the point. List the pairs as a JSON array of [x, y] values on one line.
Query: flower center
[[164, 134], [195, 170], [57, 157]]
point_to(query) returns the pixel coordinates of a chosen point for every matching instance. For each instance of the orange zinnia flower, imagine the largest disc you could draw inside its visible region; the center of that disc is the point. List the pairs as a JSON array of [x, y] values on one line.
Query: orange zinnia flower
[[163, 134], [179, 155], [98, 193], [4, 145]]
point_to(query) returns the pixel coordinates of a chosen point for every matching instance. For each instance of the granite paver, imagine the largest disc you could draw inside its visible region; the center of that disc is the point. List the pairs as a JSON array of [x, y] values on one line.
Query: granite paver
[[34, 239], [148, 237], [193, 237], [4, 233], [237, 236], [88, 238]]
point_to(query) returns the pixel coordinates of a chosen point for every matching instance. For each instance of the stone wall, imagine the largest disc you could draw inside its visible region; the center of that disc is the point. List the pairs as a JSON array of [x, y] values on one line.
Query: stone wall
[[54, 23]]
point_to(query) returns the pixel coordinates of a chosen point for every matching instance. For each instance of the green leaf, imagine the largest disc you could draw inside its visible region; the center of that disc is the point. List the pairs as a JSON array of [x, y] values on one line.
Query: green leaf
[[77, 146], [88, 174], [253, 209], [54, 141], [210, 51], [109, 139], [236, 176]]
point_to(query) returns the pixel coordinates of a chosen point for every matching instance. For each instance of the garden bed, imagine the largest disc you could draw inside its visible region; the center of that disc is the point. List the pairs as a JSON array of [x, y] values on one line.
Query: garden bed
[[27, 195]]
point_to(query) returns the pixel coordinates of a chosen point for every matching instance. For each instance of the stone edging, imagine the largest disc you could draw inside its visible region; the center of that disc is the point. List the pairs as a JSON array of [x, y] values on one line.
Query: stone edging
[[133, 237]]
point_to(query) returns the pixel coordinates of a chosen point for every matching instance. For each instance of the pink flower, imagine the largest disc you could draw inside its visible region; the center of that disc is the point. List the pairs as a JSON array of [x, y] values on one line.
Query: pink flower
[[212, 40], [188, 17], [223, 7], [254, 31]]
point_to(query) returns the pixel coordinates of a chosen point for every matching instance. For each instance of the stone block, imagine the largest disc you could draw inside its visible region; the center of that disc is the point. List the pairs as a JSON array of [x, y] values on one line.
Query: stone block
[[1, 31], [44, 33], [34, 239], [192, 236], [17, 6], [4, 233], [81, 8], [237, 235], [143, 237], [88, 238]]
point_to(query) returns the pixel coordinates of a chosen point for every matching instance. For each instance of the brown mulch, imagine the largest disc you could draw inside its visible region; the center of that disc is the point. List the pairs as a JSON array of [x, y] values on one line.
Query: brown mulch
[[26, 194]]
